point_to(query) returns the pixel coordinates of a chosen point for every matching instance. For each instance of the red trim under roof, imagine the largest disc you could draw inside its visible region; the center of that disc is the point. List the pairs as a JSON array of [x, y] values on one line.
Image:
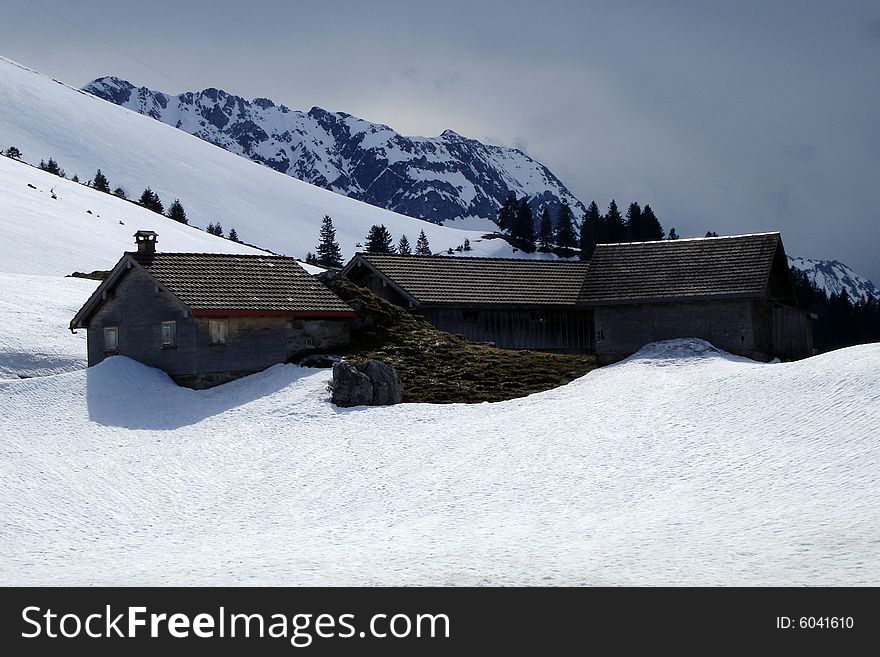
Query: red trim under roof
[[220, 312]]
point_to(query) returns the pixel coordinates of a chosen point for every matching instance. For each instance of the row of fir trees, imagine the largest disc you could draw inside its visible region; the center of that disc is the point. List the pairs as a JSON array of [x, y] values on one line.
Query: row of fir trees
[[148, 199], [378, 240], [515, 218]]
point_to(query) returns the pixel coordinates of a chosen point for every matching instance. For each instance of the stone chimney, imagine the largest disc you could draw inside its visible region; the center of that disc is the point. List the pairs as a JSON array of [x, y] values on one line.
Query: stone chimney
[[146, 242]]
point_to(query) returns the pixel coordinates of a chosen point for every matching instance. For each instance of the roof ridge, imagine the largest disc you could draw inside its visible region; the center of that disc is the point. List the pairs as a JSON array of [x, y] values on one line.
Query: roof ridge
[[468, 258], [693, 239], [208, 253]]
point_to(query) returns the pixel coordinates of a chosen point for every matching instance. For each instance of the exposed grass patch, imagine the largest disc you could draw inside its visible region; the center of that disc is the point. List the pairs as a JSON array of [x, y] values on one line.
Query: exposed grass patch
[[441, 367]]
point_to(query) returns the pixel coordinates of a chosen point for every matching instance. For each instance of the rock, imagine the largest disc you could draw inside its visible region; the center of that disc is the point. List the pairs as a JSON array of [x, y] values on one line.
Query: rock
[[387, 387], [372, 383], [350, 387]]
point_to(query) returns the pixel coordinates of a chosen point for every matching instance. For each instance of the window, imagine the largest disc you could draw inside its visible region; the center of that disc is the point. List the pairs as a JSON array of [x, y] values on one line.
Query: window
[[219, 330], [169, 334], [111, 339], [470, 315]]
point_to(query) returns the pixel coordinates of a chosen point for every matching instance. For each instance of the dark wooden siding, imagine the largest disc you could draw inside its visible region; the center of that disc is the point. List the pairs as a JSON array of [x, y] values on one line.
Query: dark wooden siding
[[624, 329], [138, 307], [514, 328]]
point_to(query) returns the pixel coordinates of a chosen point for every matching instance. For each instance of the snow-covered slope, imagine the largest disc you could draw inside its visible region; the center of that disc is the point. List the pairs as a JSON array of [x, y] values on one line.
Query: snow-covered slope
[[834, 277], [434, 178], [45, 118], [679, 466], [42, 239]]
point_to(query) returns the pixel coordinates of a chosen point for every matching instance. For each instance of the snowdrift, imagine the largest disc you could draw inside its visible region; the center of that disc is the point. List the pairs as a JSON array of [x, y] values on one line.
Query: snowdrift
[[682, 465]]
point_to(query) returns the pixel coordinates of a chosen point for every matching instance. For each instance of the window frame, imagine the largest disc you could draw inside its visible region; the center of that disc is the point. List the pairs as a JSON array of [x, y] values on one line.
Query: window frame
[[114, 331], [214, 335], [172, 342]]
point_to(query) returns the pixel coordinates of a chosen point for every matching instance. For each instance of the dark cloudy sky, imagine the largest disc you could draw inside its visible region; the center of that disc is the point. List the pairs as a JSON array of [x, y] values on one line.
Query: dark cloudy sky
[[731, 116]]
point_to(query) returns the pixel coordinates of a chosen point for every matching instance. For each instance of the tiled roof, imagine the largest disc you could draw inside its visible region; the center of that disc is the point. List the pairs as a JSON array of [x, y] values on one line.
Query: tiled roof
[[214, 281], [715, 266], [495, 281]]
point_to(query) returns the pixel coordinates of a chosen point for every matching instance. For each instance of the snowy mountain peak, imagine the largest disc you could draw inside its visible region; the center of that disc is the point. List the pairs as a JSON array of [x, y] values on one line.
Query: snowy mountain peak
[[834, 276], [434, 178]]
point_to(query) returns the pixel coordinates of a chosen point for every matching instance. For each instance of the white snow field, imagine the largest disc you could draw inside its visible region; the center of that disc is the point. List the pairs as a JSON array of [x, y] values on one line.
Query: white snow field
[[682, 465], [42, 239], [45, 118]]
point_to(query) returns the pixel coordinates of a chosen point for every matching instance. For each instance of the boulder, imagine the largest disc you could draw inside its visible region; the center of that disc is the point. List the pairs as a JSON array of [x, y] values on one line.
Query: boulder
[[372, 383], [387, 387]]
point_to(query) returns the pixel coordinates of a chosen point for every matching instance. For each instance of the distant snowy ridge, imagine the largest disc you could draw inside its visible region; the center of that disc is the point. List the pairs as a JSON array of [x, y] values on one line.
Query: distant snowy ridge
[[433, 178], [834, 276]]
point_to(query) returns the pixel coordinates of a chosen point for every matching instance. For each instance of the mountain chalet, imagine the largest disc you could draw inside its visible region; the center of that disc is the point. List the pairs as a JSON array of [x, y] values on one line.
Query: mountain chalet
[[208, 318]]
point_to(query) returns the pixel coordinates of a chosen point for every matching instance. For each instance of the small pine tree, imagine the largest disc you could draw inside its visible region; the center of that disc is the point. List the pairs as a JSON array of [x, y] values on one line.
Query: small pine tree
[[423, 248], [176, 212], [545, 230], [52, 167], [328, 252], [613, 227], [13, 152], [150, 200], [75, 178], [651, 228], [311, 259], [565, 235], [634, 224], [379, 240], [711, 233], [672, 234], [467, 244], [524, 226], [403, 247], [590, 226], [507, 213], [101, 183], [120, 192], [233, 236]]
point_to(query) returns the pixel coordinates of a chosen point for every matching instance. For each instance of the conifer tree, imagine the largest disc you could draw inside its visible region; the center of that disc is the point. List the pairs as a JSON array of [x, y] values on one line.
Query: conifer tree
[[507, 213], [379, 240], [672, 234], [422, 246], [150, 200], [52, 167], [565, 235], [176, 212], [13, 152], [467, 244], [75, 178], [311, 259], [711, 233], [233, 235], [328, 252], [613, 228], [524, 226], [634, 227], [545, 230], [403, 247], [590, 230], [101, 183], [651, 228], [120, 192]]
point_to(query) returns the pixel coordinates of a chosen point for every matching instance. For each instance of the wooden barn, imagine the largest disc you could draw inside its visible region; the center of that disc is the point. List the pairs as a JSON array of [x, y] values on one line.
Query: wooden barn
[[513, 303], [735, 292], [207, 318]]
